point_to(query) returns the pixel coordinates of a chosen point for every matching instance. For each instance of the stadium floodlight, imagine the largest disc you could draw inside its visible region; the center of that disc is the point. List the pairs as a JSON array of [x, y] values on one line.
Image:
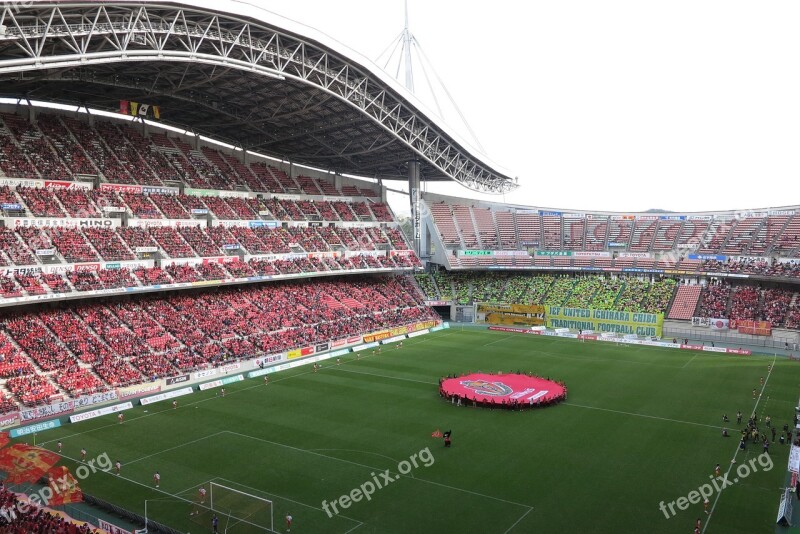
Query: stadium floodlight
[[242, 510]]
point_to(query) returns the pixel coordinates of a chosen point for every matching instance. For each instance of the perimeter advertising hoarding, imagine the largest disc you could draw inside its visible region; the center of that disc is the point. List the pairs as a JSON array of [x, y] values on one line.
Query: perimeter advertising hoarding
[[400, 330], [50, 410], [33, 429], [177, 379], [167, 395], [8, 420], [91, 414]]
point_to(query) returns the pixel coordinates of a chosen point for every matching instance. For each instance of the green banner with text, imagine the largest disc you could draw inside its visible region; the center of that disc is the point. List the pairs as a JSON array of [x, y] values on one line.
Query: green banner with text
[[620, 322]]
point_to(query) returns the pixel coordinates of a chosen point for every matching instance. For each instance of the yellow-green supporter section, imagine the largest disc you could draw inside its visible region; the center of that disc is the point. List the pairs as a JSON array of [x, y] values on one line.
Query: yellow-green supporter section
[[620, 322]]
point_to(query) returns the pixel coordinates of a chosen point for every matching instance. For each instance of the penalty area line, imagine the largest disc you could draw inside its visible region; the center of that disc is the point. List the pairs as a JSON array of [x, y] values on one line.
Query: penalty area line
[[251, 488], [529, 510]]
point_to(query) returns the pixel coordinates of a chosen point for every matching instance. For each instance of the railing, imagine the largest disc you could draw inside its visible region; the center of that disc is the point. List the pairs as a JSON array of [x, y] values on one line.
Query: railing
[[127, 515], [775, 342]]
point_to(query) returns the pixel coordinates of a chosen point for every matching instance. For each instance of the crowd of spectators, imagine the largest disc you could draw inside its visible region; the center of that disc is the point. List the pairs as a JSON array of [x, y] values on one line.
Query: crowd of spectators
[[12, 362], [559, 291], [583, 291], [756, 266], [793, 316], [90, 346], [109, 244], [19, 516], [77, 381], [141, 206], [744, 303], [40, 202], [33, 144], [607, 294], [487, 288], [9, 288], [169, 206], [426, 284], [76, 202], [12, 250], [777, 303], [528, 289], [714, 300], [72, 244], [57, 147], [31, 389], [200, 241], [69, 150]]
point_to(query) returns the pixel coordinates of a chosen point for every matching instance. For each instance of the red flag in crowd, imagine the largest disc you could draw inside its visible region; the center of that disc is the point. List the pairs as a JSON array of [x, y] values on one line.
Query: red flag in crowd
[[25, 463], [64, 485]]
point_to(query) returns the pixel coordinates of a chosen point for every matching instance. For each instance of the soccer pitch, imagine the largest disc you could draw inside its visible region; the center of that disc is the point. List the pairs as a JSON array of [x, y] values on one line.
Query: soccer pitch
[[641, 425]]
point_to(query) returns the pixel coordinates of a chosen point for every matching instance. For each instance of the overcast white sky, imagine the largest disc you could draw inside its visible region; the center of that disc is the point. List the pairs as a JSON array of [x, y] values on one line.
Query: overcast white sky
[[614, 105]]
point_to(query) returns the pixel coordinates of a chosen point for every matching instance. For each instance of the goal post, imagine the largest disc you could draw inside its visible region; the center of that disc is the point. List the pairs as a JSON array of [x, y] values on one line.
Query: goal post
[[240, 512]]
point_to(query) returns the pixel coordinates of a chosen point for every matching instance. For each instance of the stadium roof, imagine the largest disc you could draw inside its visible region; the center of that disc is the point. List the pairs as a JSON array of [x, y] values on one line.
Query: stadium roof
[[239, 74]]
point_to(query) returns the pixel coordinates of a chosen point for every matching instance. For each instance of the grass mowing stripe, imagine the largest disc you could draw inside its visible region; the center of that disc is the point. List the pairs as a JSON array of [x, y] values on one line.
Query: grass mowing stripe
[[540, 457], [736, 451], [173, 448], [641, 415], [309, 451], [564, 403], [383, 376]]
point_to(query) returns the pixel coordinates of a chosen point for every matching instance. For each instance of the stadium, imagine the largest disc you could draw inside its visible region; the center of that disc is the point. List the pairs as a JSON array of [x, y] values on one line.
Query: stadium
[[213, 320]]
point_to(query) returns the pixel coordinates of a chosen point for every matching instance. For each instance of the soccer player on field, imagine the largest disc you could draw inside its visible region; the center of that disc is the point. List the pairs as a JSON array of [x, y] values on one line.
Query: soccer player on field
[[83, 455], [717, 471], [175, 405], [157, 479], [705, 505], [202, 495], [215, 523], [59, 447], [266, 380], [222, 392], [118, 467], [121, 417], [288, 522]]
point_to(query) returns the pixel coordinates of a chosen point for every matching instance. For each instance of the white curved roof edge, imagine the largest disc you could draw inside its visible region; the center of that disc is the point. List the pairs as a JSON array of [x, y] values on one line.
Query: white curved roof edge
[[436, 197], [247, 9]]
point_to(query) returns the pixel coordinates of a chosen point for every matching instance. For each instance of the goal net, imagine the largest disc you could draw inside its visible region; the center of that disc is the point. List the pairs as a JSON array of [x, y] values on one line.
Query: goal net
[[239, 512]]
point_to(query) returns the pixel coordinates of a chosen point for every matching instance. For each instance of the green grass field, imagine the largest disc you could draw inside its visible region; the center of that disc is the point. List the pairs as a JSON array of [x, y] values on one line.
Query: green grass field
[[641, 425]]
